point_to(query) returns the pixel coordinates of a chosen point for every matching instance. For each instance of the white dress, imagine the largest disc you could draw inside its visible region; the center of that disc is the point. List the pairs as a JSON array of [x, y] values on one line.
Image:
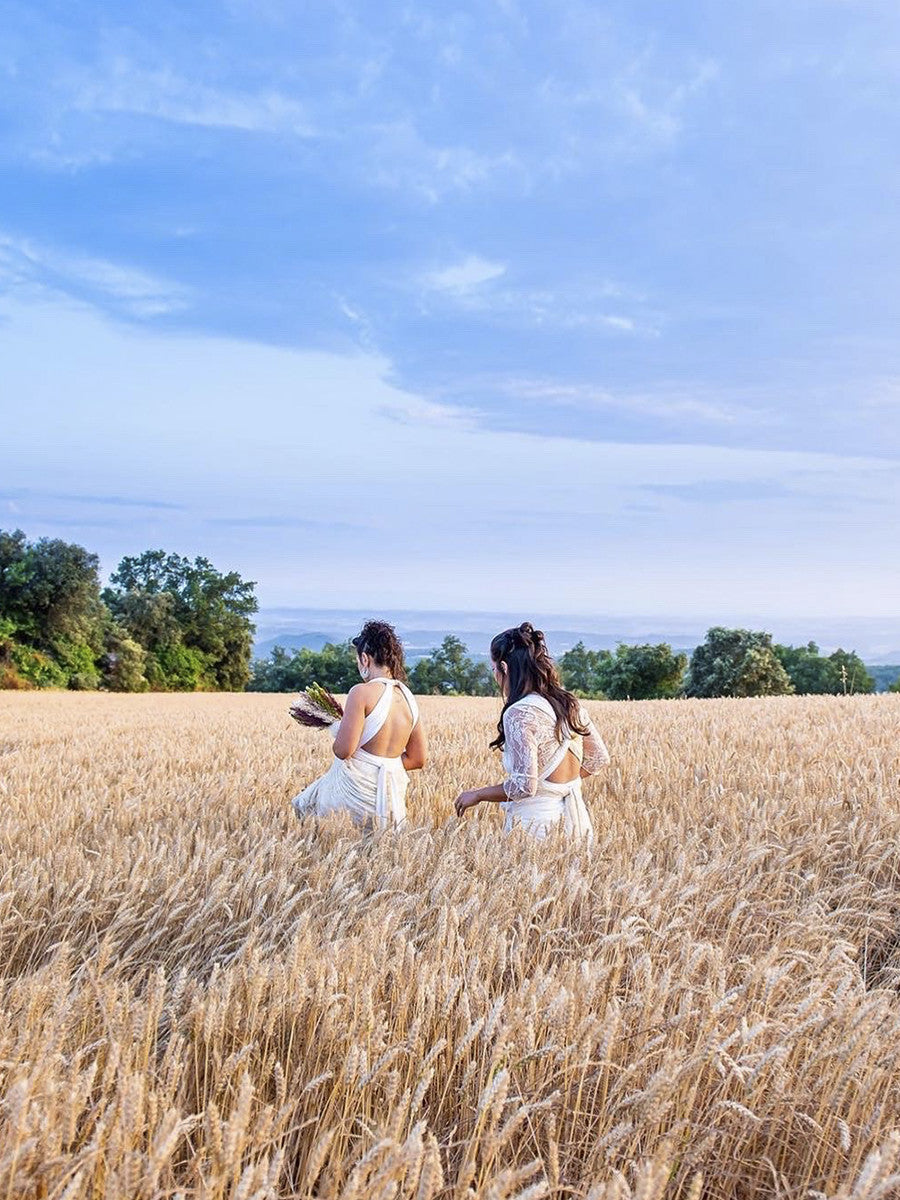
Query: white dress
[[531, 754], [370, 788]]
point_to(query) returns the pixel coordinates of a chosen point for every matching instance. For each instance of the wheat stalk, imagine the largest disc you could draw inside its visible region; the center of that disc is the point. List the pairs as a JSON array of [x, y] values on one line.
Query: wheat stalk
[[199, 998]]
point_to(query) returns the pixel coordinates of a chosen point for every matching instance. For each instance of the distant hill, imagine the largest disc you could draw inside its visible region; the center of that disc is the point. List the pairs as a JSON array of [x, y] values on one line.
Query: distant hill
[[884, 674], [293, 641], [418, 643]]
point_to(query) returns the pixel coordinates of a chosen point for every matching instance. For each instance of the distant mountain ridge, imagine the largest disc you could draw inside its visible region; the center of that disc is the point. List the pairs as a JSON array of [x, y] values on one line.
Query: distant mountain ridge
[[293, 641], [419, 643]]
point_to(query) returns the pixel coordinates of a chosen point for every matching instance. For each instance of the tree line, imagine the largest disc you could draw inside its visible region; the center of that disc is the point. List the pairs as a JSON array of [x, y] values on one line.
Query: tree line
[[729, 662], [447, 671], [164, 623], [169, 623]]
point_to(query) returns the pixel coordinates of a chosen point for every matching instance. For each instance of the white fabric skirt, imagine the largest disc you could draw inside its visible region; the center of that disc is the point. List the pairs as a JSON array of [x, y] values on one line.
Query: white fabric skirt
[[371, 789], [537, 815]]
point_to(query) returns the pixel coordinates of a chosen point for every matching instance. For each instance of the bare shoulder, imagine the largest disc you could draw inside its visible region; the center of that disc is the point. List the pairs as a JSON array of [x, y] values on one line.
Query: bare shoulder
[[368, 691]]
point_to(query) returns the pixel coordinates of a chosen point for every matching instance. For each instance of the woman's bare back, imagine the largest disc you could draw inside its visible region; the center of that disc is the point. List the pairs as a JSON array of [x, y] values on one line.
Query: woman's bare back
[[392, 739]]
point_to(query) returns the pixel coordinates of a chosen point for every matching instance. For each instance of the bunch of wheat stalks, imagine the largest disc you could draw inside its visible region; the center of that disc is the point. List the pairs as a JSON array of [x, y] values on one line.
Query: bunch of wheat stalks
[[201, 997], [316, 708]]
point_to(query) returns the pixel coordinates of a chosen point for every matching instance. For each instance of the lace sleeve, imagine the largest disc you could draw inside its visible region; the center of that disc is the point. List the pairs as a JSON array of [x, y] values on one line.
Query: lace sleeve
[[521, 731], [596, 754]]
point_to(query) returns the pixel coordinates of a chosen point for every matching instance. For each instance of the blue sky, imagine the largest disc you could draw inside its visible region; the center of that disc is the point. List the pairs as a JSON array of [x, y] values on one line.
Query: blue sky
[[576, 307]]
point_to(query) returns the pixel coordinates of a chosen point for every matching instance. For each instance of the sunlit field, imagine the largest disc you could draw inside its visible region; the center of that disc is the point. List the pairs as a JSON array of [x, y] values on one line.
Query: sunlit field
[[203, 998]]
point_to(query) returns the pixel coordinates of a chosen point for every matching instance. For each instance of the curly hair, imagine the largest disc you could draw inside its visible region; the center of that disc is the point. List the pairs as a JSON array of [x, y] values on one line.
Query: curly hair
[[379, 640], [530, 668]]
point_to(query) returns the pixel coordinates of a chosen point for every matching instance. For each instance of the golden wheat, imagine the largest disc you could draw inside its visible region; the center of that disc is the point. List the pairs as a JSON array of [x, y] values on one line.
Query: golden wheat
[[202, 998]]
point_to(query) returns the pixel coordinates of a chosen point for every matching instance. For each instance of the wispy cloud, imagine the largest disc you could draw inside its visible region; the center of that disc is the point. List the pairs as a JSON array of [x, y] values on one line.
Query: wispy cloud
[[115, 501], [816, 491], [284, 522], [602, 320], [664, 403], [413, 410], [395, 155], [165, 95], [22, 494], [723, 491], [27, 262], [464, 276], [654, 108], [81, 522], [481, 285]]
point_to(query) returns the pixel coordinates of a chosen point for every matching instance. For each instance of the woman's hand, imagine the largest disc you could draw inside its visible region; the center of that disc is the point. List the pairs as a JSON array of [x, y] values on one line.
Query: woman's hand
[[466, 800]]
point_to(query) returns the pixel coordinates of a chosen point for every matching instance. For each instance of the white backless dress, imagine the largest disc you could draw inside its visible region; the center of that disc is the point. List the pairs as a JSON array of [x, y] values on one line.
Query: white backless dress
[[370, 788], [532, 753]]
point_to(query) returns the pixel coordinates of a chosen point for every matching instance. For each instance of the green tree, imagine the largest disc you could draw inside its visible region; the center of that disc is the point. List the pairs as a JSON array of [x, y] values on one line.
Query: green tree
[[807, 669], [849, 673], [895, 686], [334, 667], [124, 662], [50, 603], [643, 672], [22, 666], [9, 674], [736, 662], [449, 671], [192, 620], [582, 671], [813, 673]]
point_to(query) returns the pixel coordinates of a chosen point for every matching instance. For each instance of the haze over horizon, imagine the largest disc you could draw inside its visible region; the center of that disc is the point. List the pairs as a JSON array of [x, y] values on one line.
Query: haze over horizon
[[875, 639], [517, 306]]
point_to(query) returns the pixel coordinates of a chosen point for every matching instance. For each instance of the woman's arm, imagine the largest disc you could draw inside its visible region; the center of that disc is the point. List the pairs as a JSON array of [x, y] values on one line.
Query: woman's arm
[[346, 741], [416, 751], [596, 754], [522, 727], [469, 799], [522, 744]]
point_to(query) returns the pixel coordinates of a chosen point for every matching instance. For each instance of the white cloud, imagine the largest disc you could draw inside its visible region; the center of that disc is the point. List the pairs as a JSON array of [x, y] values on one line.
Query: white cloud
[[662, 116], [666, 402], [329, 440], [593, 320], [465, 276], [396, 156], [167, 96], [415, 410], [625, 324], [60, 155], [25, 263], [577, 306]]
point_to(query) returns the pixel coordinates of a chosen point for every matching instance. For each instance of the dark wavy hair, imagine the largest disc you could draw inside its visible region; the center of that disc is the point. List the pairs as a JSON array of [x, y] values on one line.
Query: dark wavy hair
[[529, 668], [379, 640]]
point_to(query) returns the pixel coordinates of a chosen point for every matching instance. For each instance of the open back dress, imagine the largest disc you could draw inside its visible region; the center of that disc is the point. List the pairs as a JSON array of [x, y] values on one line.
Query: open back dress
[[372, 789]]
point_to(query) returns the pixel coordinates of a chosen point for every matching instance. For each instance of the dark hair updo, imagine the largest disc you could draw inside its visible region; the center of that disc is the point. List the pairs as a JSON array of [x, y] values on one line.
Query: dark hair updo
[[379, 640], [529, 668]]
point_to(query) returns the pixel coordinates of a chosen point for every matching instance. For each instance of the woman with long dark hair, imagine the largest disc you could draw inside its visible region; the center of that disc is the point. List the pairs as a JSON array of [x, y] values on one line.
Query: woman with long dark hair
[[376, 742], [548, 741]]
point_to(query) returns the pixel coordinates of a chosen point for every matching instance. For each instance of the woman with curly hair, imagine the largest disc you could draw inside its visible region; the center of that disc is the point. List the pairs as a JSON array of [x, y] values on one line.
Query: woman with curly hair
[[547, 738], [376, 742]]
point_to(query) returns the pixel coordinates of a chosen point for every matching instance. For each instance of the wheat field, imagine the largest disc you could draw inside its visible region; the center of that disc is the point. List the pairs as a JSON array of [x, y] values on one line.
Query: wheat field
[[203, 998]]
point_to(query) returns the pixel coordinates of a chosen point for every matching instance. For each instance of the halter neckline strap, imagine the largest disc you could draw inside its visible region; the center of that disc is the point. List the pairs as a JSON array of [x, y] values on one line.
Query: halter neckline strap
[[376, 719]]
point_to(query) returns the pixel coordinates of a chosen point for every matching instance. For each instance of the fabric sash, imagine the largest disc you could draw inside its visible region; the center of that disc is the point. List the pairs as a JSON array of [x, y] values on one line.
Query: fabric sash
[[390, 790]]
